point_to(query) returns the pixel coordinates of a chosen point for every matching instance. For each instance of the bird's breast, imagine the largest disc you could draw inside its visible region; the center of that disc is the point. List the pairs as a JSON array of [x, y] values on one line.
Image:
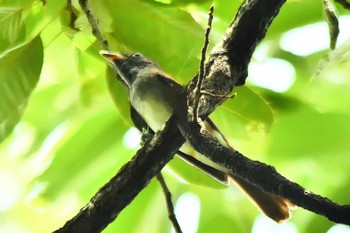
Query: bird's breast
[[152, 101]]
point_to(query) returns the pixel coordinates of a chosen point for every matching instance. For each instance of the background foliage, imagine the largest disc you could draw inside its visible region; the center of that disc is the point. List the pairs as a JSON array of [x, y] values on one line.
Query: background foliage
[[65, 129]]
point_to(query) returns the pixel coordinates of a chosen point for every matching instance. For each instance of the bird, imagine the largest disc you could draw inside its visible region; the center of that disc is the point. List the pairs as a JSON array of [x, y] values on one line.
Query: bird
[[154, 96]]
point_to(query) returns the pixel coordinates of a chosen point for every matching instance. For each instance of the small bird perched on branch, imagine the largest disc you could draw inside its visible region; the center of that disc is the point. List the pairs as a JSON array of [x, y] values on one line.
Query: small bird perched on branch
[[154, 96]]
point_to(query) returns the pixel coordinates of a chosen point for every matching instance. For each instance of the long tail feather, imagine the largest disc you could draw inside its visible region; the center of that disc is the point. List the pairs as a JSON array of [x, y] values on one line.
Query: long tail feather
[[271, 205]]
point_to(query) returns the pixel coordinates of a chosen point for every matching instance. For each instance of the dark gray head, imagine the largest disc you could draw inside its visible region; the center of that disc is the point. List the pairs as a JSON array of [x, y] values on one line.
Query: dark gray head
[[130, 66]]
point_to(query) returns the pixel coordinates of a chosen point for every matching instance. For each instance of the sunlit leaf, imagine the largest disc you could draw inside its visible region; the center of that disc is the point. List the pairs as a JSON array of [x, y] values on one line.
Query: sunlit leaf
[[91, 70], [12, 27], [173, 38], [81, 152], [22, 21], [19, 74], [316, 134], [119, 95], [245, 113]]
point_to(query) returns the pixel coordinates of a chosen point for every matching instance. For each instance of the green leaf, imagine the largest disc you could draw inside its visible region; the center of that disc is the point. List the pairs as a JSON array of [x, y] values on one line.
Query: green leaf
[[91, 149], [314, 134], [39, 16], [22, 21], [247, 112], [307, 12], [119, 95], [19, 74], [12, 27], [168, 35], [91, 69]]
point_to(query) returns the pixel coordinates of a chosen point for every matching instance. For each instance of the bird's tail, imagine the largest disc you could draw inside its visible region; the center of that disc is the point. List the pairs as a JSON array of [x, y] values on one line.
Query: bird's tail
[[271, 205]]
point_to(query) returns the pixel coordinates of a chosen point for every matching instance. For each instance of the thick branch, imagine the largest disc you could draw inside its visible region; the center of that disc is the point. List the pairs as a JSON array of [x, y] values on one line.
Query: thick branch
[[263, 176], [114, 196]]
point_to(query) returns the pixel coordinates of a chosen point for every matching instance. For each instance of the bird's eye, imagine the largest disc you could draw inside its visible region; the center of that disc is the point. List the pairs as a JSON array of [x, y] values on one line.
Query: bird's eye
[[136, 55]]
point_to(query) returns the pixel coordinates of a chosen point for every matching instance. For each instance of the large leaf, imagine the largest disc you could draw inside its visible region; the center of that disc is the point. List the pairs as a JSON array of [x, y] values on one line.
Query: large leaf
[[168, 35], [313, 134], [247, 112], [91, 149], [19, 74], [119, 95], [12, 26], [21, 21]]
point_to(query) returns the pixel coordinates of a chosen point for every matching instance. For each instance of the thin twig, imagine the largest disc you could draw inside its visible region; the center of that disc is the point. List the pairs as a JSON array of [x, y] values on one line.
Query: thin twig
[[202, 63], [169, 203], [94, 24]]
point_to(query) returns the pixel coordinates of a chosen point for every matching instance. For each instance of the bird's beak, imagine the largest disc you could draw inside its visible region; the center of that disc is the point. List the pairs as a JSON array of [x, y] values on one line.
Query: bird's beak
[[111, 57]]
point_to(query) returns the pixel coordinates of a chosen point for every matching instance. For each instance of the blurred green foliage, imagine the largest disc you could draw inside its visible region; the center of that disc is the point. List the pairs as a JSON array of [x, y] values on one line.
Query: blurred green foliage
[[64, 116]]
